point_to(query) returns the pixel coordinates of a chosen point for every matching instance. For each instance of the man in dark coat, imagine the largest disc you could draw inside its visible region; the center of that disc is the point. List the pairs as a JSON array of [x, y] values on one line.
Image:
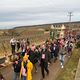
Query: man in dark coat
[[33, 57], [55, 51], [17, 67], [44, 62]]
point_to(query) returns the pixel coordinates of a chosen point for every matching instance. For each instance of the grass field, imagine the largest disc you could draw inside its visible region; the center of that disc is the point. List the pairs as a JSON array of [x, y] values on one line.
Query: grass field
[[68, 73]]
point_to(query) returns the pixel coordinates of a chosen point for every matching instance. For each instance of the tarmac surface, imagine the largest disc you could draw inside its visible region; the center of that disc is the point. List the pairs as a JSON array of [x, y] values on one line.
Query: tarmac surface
[[54, 69]]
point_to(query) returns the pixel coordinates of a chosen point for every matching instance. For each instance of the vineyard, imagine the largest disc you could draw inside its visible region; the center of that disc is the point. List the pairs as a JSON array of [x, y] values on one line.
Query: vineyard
[[35, 35]]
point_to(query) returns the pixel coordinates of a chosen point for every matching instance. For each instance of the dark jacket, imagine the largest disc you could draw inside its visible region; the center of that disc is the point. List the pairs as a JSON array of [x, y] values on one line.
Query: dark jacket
[[56, 51], [44, 52], [17, 67], [33, 57]]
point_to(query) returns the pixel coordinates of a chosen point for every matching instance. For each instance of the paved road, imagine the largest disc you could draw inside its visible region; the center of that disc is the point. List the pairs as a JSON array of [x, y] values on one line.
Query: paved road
[[54, 69]]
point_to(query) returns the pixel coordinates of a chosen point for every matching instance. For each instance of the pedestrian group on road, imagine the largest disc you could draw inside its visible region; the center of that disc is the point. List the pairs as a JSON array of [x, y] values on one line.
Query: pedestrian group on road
[[27, 58]]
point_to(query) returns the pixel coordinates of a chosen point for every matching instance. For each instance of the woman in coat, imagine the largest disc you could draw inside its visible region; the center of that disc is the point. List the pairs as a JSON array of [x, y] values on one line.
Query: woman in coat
[[26, 69]]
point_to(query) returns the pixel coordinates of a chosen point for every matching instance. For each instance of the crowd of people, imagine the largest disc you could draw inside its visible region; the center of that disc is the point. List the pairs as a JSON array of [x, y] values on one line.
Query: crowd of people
[[31, 56], [18, 44]]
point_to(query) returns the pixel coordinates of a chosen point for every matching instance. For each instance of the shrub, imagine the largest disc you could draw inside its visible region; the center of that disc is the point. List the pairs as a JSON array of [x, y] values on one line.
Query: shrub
[[78, 44]]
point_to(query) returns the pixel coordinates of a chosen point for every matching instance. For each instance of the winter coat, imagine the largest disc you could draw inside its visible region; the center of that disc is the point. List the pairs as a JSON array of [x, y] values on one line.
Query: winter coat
[[29, 66], [33, 56], [17, 67], [44, 52]]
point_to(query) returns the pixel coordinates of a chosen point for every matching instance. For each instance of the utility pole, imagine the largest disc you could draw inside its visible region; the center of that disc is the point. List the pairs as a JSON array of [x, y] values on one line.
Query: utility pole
[[70, 16], [70, 25]]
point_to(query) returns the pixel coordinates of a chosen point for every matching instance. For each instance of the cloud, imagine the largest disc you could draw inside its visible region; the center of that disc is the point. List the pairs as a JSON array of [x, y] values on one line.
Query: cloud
[[27, 12]]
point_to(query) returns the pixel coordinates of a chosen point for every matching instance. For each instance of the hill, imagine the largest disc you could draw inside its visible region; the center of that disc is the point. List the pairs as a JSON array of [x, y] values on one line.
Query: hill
[[36, 33]]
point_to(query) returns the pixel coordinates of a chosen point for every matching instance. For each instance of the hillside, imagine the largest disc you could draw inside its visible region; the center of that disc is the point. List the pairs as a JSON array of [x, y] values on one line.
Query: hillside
[[36, 34]]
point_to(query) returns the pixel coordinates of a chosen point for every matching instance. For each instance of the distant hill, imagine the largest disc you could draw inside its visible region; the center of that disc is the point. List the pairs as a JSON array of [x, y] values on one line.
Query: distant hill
[[47, 25], [21, 30]]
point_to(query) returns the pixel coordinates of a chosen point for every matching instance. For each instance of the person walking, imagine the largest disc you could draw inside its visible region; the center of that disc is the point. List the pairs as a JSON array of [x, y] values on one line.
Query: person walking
[[44, 62], [28, 42], [26, 69], [23, 45], [62, 55], [18, 45], [13, 45], [55, 51], [33, 56], [16, 67], [69, 48]]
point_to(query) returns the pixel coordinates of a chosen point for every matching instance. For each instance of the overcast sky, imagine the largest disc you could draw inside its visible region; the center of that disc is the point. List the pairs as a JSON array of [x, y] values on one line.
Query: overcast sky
[[30, 12]]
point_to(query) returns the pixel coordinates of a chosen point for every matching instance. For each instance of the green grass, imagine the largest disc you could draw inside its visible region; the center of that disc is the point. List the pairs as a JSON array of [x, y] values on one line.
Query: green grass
[[68, 73]]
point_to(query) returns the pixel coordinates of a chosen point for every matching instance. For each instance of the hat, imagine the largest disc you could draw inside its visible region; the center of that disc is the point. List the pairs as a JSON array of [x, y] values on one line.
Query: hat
[[26, 57]]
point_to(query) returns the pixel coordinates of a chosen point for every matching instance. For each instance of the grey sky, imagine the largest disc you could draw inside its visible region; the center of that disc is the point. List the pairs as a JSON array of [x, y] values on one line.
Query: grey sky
[[29, 12]]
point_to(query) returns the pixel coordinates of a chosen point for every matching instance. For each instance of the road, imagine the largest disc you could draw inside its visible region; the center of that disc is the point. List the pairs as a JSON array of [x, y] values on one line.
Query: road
[[54, 69]]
